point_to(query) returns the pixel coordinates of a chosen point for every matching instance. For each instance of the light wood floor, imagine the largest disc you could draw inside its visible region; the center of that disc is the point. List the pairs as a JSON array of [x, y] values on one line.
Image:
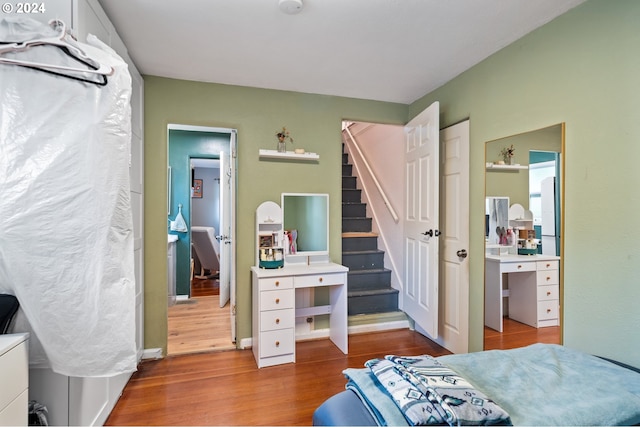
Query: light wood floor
[[199, 324]]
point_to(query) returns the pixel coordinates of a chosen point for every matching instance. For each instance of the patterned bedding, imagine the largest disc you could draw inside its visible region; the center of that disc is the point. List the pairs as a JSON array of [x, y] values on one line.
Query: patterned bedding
[[537, 385]]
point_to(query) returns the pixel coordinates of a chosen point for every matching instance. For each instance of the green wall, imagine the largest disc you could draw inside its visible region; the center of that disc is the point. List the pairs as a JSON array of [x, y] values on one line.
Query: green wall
[[581, 69], [315, 123]]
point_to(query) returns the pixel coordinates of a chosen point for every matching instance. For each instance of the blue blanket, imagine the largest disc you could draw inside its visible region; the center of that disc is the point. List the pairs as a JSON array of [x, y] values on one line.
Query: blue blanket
[[537, 385]]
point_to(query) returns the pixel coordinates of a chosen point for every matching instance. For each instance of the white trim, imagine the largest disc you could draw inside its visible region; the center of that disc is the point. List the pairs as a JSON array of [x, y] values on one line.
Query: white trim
[[152, 353], [174, 126]]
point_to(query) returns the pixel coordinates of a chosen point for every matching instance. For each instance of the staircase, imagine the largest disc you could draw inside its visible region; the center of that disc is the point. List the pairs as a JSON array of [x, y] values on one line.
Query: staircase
[[369, 283]]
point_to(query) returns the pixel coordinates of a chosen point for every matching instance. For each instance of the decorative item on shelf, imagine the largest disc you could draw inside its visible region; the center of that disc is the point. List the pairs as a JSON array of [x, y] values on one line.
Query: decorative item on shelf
[[283, 136], [507, 154], [299, 151]]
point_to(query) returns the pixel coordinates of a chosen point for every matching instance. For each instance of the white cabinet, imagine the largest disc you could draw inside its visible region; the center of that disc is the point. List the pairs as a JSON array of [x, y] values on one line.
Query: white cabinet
[[532, 285], [275, 310], [14, 371]]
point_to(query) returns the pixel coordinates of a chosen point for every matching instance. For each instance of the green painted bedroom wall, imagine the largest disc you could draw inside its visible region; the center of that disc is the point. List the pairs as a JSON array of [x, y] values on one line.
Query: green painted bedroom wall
[[581, 69], [315, 124]]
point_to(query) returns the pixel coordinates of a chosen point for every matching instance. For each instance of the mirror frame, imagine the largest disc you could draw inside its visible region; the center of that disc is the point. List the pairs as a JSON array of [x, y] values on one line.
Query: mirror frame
[[562, 214]]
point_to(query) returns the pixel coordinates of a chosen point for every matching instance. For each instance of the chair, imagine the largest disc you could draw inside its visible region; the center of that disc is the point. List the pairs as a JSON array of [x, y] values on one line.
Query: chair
[[207, 249], [8, 308]]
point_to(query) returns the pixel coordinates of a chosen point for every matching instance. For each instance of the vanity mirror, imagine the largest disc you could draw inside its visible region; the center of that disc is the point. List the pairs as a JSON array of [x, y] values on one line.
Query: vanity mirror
[[306, 218], [496, 220]]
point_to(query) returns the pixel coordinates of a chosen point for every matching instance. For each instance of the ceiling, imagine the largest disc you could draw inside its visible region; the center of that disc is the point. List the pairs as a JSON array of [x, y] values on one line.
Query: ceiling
[[386, 50]]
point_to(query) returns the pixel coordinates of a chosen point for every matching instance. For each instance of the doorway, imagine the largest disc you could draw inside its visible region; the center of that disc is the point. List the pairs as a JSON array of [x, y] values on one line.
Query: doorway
[[202, 191]]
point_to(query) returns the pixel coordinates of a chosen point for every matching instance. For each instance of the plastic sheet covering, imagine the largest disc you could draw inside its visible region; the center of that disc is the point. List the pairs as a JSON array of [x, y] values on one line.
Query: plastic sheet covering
[[66, 230]]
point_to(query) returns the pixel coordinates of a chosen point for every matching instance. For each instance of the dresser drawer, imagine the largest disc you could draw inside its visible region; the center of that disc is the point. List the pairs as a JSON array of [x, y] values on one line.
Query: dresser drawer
[[548, 310], [547, 265], [549, 292], [549, 277], [277, 343], [273, 283], [319, 280], [16, 413], [277, 300], [14, 372], [514, 267], [277, 319]]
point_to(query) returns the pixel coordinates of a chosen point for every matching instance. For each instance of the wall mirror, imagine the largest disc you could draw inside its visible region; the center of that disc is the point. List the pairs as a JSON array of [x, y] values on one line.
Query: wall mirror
[[307, 215], [534, 178]]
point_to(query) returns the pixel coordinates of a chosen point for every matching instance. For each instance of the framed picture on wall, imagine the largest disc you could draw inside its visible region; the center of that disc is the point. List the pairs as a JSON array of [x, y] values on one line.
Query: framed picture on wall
[[197, 188]]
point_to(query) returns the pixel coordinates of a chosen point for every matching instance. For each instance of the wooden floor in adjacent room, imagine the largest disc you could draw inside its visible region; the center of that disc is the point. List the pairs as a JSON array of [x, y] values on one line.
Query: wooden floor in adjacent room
[[515, 334], [199, 324]]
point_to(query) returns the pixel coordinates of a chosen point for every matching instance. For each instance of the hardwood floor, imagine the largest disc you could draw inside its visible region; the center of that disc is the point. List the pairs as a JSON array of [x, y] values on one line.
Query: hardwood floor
[[199, 324], [227, 388], [516, 334]]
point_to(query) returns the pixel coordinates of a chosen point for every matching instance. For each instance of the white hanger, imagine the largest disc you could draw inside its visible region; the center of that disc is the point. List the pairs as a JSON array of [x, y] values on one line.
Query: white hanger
[[74, 51]]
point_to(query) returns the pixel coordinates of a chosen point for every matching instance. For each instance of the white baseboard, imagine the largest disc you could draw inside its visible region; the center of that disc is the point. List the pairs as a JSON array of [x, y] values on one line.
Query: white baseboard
[[152, 353], [245, 343], [182, 297]]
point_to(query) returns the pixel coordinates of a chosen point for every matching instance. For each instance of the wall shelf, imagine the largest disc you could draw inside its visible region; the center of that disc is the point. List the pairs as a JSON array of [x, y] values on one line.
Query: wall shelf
[[288, 155], [493, 166]]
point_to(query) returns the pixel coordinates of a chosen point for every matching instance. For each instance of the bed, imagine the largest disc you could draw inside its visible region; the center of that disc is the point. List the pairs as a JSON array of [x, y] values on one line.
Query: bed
[[542, 384]]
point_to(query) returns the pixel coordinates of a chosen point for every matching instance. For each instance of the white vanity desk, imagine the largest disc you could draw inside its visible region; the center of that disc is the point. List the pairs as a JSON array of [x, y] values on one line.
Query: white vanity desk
[[14, 371], [533, 289], [275, 311]]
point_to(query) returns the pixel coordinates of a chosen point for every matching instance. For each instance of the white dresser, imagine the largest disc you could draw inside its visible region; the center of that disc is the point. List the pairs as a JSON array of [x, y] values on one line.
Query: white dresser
[[532, 287], [14, 374], [275, 311]]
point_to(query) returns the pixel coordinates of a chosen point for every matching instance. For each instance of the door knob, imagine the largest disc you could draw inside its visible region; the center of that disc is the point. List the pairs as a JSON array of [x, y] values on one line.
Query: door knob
[[462, 253], [428, 233]]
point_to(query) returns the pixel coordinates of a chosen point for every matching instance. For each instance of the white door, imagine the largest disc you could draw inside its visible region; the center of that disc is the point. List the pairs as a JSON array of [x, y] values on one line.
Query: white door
[[227, 233], [454, 240], [421, 227], [223, 237]]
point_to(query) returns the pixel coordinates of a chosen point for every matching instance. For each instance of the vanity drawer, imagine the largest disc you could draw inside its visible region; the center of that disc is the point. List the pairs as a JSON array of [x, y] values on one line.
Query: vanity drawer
[[276, 300], [14, 372], [277, 319], [548, 310], [277, 343], [550, 292], [549, 277], [273, 283], [319, 280], [547, 265], [516, 267]]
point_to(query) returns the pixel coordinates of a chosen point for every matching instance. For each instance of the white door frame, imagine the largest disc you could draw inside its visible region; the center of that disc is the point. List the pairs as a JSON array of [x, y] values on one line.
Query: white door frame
[[233, 197]]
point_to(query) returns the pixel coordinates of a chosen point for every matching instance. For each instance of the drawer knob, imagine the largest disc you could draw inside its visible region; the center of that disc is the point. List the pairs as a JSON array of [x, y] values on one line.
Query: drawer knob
[[320, 279], [548, 293], [277, 300], [277, 321], [548, 310], [277, 283], [548, 265], [277, 343], [548, 278], [519, 266]]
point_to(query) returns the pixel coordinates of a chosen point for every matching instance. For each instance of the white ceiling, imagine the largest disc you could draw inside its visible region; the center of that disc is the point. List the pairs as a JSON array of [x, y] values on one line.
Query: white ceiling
[[387, 50]]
